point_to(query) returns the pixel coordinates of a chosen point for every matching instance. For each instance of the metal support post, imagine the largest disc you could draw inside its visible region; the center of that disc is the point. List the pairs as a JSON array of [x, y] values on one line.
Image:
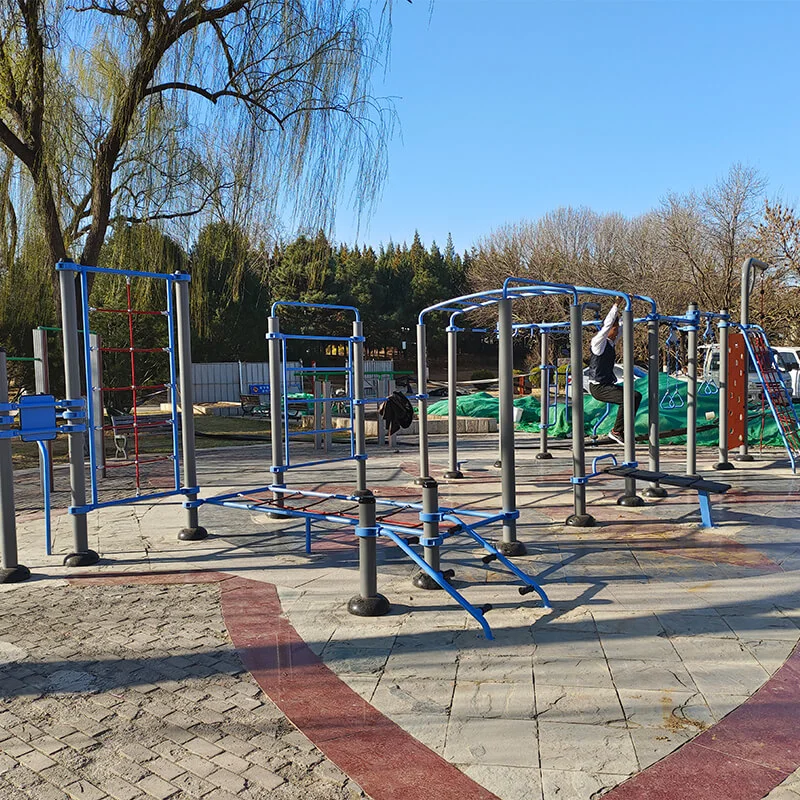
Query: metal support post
[[749, 267], [509, 546], [327, 417], [453, 472], [11, 571], [368, 603], [544, 397], [41, 373], [691, 392], [422, 404], [358, 412], [193, 530], [430, 537], [722, 383], [318, 414], [579, 518], [630, 498], [276, 410], [653, 398], [95, 397], [81, 556]]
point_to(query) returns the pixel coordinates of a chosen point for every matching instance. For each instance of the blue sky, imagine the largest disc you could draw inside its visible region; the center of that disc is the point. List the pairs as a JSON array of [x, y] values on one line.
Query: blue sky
[[510, 108]]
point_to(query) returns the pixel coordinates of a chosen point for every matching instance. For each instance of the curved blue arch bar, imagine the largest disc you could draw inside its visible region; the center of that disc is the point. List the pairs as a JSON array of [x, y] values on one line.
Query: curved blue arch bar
[[298, 304]]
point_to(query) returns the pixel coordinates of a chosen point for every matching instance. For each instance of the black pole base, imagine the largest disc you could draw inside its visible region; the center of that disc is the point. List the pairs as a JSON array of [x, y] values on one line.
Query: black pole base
[[454, 474], [424, 581], [85, 559], [192, 534], [724, 465], [630, 501], [421, 480], [498, 464], [543, 456], [14, 574], [745, 457], [581, 521], [376, 606], [655, 491], [511, 549]]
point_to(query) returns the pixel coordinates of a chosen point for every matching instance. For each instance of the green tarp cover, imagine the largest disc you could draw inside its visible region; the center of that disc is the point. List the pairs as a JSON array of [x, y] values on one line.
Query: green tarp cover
[[486, 405]]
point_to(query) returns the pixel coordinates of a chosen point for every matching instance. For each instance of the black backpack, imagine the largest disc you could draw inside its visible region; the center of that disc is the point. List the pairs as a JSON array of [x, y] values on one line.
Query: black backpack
[[397, 411]]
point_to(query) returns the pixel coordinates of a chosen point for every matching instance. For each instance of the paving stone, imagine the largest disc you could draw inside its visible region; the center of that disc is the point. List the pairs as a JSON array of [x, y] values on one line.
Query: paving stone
[[492, 741], [597, 748], [576, 704], [264, 778], [201, 747], [164, 769], [489, 700], [83, 790], [119, 789], [36, 761], [157, 787], [574, 784], [521, 783], [413, 696], [226, 780]]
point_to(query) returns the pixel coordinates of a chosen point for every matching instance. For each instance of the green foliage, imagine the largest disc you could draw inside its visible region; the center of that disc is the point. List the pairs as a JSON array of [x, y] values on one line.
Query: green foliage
[[482, 375]]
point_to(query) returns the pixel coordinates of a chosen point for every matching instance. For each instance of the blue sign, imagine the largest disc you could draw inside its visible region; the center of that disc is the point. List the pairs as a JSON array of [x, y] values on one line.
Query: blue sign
[[259, 388]]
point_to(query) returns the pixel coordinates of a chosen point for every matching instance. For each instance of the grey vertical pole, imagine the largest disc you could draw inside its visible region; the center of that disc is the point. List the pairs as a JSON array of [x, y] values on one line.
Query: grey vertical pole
[[41, 372], [579, 518], [430, 537], [318, 414], [509, 546], [11, 571], [81, 556], [95, 397], [453, 471], [358, 412], [722, 383], [193, 530], [422, 404], [544, 397], [327, 417], [691, 392], [368, 603], [630, 498], [653, 408], [749, 265], [276, 408]]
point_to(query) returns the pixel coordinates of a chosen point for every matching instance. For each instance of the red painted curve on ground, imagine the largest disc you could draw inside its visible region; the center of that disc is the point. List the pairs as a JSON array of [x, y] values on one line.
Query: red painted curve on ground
[[744, 756]]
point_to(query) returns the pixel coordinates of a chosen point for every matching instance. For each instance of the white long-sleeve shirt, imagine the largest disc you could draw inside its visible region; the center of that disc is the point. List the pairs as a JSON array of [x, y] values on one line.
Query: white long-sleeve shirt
[[600, 339]]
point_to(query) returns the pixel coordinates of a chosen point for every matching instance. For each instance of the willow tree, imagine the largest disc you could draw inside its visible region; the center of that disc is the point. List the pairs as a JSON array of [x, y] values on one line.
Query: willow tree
[[145, 110]]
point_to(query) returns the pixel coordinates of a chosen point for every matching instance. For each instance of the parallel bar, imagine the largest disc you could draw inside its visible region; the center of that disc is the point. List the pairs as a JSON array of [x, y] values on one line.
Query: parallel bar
[[127, 312]]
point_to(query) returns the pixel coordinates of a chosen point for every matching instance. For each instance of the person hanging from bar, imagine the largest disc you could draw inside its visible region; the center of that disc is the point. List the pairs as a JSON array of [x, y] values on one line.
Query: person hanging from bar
[[603, 384]]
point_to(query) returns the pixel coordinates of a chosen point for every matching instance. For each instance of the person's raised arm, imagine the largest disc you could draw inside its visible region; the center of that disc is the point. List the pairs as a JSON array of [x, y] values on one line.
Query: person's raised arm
[[601, 337]]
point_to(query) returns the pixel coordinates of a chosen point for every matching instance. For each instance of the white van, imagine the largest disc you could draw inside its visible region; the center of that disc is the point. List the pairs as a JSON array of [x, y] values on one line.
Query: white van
[[710, 370]]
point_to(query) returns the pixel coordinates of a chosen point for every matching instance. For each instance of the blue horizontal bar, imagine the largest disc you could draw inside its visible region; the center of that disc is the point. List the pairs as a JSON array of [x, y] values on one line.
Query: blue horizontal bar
[[298, 304], [317, 463], [316, 430], [125, 501], [291, 370], [309, 338], [70, 266], [286, 512]]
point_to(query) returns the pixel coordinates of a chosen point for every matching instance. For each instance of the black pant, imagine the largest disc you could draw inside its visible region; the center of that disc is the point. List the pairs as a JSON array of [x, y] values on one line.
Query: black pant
[[614, 394]]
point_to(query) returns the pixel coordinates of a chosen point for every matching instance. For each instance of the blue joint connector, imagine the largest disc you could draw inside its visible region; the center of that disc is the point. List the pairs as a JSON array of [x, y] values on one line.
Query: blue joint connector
[[72, 414], [511, 514], [360, 457], [632, 464], [193, 503], [277, 471], [9, 407], [72, 429], [76, 510], [436, 541], [579, 481], [367, 533], [8, 433], [435, 517]]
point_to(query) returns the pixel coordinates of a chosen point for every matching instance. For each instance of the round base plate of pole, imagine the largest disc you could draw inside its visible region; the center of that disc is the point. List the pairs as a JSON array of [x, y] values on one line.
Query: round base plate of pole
[[84, 559], [454, 474], [192, 534], [630, 501], [14, 574], [511, 549], [580, 521], [724, 465], [745, 457], [424, 581], [655, 491], [376, 606], [543, 456]]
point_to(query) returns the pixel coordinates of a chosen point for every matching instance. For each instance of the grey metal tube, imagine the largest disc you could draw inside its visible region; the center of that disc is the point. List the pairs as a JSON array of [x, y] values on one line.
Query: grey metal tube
[[367, 549], [506, 379], [691, 393], [744, 316], [653, 408], [722, 383], [578, 449], [276, 407], [41, 372], [72, 379], [184, 344], [430, 528], [544, 394], [452, 404], [628, 389], [358, 411], [422, 403], [95, 397], [8, 523]]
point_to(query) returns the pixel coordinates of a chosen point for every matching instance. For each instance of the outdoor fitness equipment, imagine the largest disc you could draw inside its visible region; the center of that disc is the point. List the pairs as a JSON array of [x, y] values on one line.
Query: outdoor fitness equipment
[[429, 525], [671, 397]]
